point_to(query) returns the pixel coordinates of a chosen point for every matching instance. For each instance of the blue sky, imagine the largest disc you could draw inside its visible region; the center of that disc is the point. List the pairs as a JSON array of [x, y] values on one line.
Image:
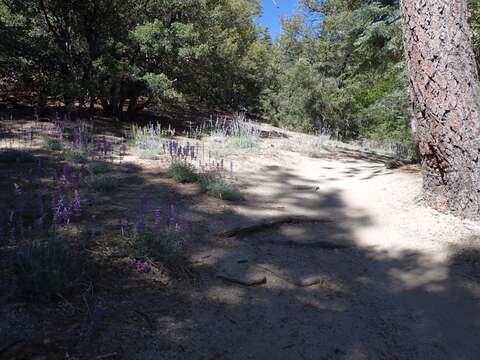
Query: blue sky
[[273, 12]]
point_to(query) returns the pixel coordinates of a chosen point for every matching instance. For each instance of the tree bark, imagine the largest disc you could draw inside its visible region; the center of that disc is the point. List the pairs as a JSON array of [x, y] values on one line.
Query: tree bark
[[445, 93]]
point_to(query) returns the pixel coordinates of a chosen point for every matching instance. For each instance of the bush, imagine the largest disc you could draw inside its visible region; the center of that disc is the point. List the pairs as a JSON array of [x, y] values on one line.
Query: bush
[[147, 154], [167, 247], [104, 183], [217, 187], [148, 141], [10, 156], [228, 210], [182, 172], [51, 268], [224, 146], [75, 156], [314, 147], [98, 168], [53, 144]]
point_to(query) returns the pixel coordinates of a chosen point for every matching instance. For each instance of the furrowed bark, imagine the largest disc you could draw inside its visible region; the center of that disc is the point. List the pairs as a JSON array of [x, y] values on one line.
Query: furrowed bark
[[445, 93]]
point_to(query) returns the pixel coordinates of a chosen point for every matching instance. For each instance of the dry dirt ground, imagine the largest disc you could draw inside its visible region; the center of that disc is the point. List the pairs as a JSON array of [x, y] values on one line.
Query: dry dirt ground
[[378, 276]]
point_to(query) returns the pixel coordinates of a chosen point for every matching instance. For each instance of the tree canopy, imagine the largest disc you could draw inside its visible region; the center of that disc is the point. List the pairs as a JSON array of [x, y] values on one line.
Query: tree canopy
[[338, 65]]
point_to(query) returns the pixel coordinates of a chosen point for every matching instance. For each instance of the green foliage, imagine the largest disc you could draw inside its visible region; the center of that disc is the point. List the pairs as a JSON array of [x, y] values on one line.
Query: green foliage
[[182, 172], [226, 210], [75, 156], [344, 74], [99, 168], [53, 144], [103, 182], [137, 53], [148, 141], [236, 137], [337, 67], [48, 269], [167, 246], [218, 187]]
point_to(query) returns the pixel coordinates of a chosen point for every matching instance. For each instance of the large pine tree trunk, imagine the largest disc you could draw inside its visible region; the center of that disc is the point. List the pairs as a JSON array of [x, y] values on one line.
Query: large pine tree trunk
[[445, 92]]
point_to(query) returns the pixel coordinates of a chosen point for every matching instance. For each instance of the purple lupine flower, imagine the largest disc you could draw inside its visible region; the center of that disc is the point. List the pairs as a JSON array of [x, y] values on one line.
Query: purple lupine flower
[[141, 266], [158, 227], [141, 227], [21, 227], [173, 216], [76, 206], [39, 169], [66, 176], [143, 204], [39, 223], [121, 223], [61, 213], [99, 314], [19, 199]]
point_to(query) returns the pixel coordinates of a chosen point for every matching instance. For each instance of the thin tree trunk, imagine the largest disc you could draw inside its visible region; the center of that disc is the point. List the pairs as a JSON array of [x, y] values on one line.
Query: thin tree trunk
[[445, 92]]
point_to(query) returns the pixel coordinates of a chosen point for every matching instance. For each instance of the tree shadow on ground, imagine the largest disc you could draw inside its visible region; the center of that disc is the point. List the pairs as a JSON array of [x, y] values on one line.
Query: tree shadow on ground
[[368, 303]]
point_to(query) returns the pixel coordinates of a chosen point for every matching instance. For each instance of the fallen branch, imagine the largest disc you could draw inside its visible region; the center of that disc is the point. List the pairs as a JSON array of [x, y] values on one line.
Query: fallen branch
[[299, 283], [395, 163], [326, 245], [252, 282], [106, 356], [271, 223]]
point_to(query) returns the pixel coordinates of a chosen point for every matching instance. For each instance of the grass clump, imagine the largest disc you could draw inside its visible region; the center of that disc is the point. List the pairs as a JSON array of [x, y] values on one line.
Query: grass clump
[[228, 210], [52, 268], [104, 183], [147, 154], [10, 156], [167, 247], [182, 172], [220, 188], [147, 141], [75, 156], [224, 146], [313, 147], [99, 168], [53, 144]]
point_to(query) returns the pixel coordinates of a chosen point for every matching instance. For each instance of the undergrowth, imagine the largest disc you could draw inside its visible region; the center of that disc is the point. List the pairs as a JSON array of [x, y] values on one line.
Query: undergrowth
[[218, 187], [182, 171]]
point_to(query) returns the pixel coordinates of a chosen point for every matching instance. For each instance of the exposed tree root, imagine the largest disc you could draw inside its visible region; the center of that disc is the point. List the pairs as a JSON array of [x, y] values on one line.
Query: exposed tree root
[[254, 282], [395, 164], [299, 283], [325, 245], [272, 223]]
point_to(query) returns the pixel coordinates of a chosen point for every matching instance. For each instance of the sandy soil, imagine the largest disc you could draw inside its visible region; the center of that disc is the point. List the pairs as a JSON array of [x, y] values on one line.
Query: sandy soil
[[405, 283]]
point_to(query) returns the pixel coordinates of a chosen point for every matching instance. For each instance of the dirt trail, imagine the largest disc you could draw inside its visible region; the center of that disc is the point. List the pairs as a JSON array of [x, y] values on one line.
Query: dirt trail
[[403, 288], [400, 281]]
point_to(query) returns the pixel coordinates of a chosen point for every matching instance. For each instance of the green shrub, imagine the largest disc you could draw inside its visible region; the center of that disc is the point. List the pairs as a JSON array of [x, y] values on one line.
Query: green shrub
[[75, 156], [167, 247], [147, 141], [51, 268], [245, 142], [224, 146], [182, 172], [228, 210], [217, 187], [102, 182], [147, 154], [98, 168], [10, 156], [53, 144]]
